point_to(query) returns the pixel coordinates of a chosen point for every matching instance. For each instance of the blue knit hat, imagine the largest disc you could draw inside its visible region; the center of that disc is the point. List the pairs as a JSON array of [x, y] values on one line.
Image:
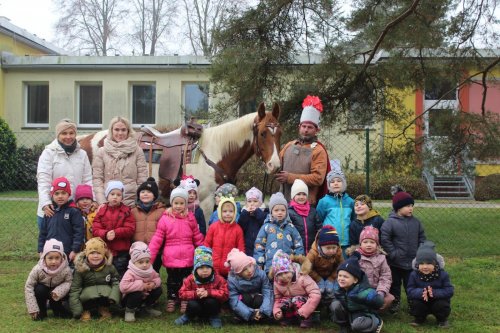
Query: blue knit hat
[[328, 235], [114, 185]]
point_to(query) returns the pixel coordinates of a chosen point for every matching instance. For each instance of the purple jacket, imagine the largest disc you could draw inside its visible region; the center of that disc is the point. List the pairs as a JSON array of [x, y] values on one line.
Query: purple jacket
[[181, 236], [377, 271]]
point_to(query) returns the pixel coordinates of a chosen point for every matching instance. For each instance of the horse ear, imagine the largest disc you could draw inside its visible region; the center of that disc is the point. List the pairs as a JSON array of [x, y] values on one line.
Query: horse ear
[[276, 111], [261, 111], [177, 182]]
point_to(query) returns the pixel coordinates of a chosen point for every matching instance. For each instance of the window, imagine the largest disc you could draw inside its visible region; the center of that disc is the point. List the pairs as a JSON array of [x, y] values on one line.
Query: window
[[37, 103], [439, 121], [440, 89], [144, 103], [196, 100], [90, 104]]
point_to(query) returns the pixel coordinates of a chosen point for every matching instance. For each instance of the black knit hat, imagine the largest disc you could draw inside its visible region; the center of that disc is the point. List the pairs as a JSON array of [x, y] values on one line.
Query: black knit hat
[[426, 253], [150, 185], [351, 266]]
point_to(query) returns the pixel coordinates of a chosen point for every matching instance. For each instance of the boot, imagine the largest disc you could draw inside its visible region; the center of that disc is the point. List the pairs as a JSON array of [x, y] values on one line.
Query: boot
[[182, 320], [86, 316], [215, 322], [184, 305], [171, 305], [306, 323], [104, 312], [152, 312], [129, 315]]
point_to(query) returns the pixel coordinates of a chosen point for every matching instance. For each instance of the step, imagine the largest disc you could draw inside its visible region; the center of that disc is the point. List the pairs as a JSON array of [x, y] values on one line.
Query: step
[[456, 179], [453, 198], [454, 195], [450, 188], [448, 183]]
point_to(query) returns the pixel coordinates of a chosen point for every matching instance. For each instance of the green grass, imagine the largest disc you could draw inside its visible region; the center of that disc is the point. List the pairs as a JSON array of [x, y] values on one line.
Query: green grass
[[19, 194]]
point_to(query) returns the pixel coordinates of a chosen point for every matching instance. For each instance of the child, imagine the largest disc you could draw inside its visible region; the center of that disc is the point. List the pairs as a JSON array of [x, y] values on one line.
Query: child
[[372, 261], [250, 293], [337, 207], [115, 224], [179, 234], [191, 185], [95, 283], [50, 280], [66, 225], [147, 212], [84, 199], [225, 190], [224, 235], [296, 295], [365, 215], [204, 290], [355, 302], [252, 218], [401, 234], [325, 257], [277, 232], [303, 215], [429, 288], [141, 284]]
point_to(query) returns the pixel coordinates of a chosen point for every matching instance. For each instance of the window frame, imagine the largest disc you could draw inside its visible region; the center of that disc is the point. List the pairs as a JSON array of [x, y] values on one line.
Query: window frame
[[155, 102], [184, 96], [78, 104], [26, 97]]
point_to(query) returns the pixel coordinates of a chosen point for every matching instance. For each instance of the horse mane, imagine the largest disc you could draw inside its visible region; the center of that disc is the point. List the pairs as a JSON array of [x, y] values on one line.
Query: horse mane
[[228, 136]]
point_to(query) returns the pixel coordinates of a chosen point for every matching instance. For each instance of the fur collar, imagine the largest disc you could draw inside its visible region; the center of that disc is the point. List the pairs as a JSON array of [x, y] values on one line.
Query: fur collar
[[81, 265]]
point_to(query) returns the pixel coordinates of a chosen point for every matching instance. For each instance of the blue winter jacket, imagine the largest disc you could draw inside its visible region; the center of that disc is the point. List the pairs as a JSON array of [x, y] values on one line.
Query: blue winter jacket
[[441, 287], [258, 284], [337, 211], [251, 224]]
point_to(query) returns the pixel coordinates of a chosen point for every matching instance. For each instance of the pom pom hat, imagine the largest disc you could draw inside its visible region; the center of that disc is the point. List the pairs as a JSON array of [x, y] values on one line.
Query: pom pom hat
[[238, 260], [299, 187], [311, 110], [369, 232], [150, 185], [328, 235], [189, 183], [401, 199], [62, 184]]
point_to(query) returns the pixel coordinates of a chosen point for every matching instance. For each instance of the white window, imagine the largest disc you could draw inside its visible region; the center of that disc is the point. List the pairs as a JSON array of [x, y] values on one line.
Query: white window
[[196, 99], [37, 103], [89, 104], [144, 103], [440, 104]]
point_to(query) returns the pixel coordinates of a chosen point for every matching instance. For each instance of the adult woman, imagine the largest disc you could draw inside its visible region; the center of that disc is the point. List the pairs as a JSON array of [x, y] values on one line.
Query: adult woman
[[62, 157], [120, 158]]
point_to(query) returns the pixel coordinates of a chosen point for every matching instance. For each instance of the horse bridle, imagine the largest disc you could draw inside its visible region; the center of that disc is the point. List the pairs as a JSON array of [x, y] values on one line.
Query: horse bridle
[[258, 152]]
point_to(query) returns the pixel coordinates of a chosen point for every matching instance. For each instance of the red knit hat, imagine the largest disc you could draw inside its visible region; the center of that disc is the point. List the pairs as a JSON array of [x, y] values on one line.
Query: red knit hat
[[401, 199], [60, 183], [83, 191]]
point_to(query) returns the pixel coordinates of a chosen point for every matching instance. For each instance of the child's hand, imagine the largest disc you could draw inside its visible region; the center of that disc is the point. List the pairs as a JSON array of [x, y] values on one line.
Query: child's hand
[[424, 295], [257, 316], [148, 286], [72, 256], [429, 291], [54, 296], [110, 235], [34, 315], [201, 292], [278, 315]]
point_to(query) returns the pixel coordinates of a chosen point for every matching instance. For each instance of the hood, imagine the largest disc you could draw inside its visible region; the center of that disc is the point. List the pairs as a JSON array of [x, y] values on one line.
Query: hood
[[81, 262], [371, 213]]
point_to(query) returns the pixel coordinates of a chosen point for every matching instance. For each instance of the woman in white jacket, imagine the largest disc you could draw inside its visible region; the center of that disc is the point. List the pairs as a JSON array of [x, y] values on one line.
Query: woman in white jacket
[[63, 157]]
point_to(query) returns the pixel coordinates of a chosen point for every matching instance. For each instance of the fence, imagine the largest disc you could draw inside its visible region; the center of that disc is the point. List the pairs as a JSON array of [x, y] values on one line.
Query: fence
[[458, 225]]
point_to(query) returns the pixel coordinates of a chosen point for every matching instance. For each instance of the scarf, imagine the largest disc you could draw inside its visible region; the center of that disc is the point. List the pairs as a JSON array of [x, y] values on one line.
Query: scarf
[[200, 280], [431, 276], [145, 207], [97, 267], [366, 254], [119, 151], [142, 273], [301, 209], [192, 206], [68, 149], [56, 271]]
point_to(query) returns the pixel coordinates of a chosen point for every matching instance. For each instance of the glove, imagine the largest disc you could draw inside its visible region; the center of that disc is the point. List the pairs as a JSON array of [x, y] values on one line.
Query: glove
[[321, 285]]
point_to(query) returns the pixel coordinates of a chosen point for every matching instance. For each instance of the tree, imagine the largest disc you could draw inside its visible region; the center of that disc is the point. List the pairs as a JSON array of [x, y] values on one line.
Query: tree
[[88, 26]]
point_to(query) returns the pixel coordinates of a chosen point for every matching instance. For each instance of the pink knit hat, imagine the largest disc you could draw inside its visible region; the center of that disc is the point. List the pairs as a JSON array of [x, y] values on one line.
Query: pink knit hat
[[254, 193], [369, 232], [53, 245], [238, 260], [83, 191], [138, 251]]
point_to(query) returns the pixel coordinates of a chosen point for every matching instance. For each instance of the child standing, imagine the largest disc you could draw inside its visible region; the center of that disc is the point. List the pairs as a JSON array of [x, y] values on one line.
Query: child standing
[[296, 295], [50, 280], [178, 231], [429, 288], [302, 214], [365, 216], [147, 212], [95, 283], [401, 235], [141, 284], [252, 218], [224, 235], [191, 185], [337, 207], [84, 199], [355, 302], [204, 290], [277, 232], [66, 225], [225, 190], [115, 224], [250, 293], [373, 262]]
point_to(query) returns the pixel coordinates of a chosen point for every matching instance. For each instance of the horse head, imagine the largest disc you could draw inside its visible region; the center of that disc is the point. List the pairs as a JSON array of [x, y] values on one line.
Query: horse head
[[267, 134]]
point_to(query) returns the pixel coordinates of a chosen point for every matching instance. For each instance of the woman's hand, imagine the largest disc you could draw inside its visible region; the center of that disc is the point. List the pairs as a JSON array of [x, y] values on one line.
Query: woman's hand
[[48, 210]]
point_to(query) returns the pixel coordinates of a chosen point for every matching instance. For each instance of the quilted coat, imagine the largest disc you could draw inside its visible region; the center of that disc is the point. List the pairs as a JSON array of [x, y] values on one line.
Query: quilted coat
[[145, 223], [216, 289], [222, 238]]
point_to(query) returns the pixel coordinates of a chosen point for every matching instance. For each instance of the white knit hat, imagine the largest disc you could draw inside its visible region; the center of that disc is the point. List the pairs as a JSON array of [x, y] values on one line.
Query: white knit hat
[[298, 187], [311, 110], [114, 185]]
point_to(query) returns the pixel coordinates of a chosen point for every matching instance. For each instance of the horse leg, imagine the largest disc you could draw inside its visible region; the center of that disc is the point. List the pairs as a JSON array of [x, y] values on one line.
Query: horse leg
[[165, 187]]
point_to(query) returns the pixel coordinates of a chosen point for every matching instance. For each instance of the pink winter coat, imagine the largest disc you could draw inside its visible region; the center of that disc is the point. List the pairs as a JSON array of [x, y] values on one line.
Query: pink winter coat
[[132, 282], [181, 235], [377, 271]]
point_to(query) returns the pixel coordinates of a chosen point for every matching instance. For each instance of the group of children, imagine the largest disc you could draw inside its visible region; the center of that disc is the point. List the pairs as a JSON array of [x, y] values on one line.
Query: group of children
[[278, 263]]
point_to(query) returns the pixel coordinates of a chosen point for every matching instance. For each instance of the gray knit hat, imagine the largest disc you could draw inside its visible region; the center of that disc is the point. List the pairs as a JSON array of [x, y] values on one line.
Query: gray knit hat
[[426, 253], [277, 199], [179, 192], [336, 173]]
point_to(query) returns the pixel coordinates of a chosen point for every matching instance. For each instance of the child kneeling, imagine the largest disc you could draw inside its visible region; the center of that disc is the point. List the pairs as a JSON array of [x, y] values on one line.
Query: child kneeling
[[141, 284]]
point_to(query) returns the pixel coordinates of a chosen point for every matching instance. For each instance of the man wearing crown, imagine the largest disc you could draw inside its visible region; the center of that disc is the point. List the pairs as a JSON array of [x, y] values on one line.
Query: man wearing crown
[[305, 158]]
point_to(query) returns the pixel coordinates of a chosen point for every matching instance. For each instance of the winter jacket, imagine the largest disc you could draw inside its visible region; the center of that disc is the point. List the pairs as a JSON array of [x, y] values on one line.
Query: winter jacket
[[337, 211], [215, 216], [274, 235], [322, 267], [400, 238], [306, 226], [301, 285], [359, 299], [54, 163], [145, 223], [119, 219], [200, 219], [89, 284], [66, 225], [374, 219], [377, 271], [88, 219], [180, 236], [216, 289], [60, 282], [257, 284], [132, 282], [134, 173], [251, 224], [441, 287], [222, 238]]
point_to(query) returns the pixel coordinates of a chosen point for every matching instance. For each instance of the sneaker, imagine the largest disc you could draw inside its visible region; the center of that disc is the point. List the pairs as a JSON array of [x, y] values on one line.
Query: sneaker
[[444, 324], [129, 315], [215, 322], [86, 316], [182, 320], [379, 326], [394, 308], [417, 322], [184, 305], [152, 312], [104, 312], [306, 323], [171, 305]]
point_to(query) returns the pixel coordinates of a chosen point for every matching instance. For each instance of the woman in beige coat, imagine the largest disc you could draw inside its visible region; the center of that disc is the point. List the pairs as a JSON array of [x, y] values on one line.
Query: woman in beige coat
[[121, 159]]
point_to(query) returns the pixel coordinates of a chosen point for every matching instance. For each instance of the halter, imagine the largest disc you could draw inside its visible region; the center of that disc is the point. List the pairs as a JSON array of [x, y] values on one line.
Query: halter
[[258, 152]]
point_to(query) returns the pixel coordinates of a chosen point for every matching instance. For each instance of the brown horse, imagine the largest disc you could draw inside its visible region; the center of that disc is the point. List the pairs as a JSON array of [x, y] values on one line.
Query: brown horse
[[228, 146]]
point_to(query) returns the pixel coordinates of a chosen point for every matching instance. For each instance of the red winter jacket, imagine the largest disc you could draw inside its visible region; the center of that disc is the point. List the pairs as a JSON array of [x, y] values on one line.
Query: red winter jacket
[[120, 220], [216, 289], [222, 238]]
